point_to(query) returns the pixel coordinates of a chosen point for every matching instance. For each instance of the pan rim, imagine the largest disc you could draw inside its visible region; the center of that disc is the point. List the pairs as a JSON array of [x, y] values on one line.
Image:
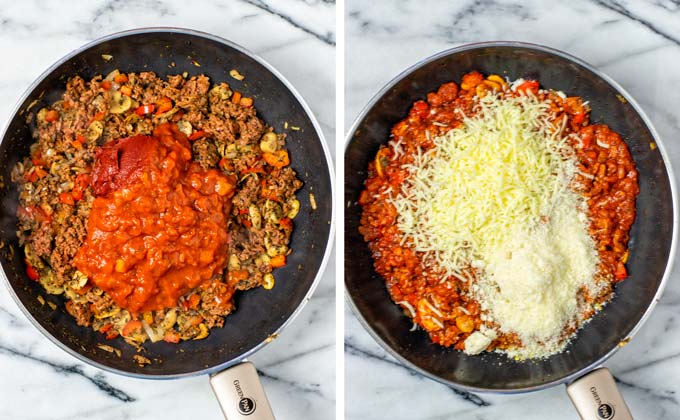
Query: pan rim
[[674, 198], [317, 128]]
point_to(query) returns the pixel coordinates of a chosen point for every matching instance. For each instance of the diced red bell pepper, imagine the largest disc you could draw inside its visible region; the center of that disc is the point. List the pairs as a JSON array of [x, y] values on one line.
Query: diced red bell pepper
[[66, 198], [145, 109], [528, 86], [620, 274], [31, 272], [198, 134]]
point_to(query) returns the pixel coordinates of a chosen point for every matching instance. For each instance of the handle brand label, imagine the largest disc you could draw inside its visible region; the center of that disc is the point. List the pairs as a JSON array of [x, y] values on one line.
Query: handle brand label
[[246, 405]]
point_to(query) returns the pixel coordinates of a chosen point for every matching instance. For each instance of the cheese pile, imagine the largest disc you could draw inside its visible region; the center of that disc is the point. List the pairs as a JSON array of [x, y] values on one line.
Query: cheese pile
[[495, 194]]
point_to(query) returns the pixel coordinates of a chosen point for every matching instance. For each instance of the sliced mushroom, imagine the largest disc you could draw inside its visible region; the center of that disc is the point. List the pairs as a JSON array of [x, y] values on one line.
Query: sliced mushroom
[[268, 281], [234, 263], [112, 311], [95, 130], [169, 319], [111, 76], [294, 208], [185, 127], [221, 91], [119, 103], [269, 143], [255, 216], [204, 332], [272, 211]]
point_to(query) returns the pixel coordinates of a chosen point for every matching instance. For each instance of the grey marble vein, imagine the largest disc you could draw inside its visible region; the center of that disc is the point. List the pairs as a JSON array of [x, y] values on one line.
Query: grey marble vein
[[327, 38], [297, 355], [308, 388], [98, 379], [619, 8], [660, 395]]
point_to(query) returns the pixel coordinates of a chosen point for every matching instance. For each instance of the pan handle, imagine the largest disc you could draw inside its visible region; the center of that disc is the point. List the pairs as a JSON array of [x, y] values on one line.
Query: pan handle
[[240, 393], [597, 397]]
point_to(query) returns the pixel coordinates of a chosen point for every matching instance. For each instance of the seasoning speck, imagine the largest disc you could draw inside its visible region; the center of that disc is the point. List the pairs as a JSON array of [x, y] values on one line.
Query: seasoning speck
[[236, 75], [52, 305], [111, 349], [294, 128], [195, 63], [621, 99], [312, 201], [141, 360], [107, 57], [41, 300], [652, 146]]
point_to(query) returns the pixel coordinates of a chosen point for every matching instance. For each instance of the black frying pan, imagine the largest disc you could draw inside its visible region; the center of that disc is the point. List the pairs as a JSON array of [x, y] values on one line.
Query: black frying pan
[[260, 313], [652, 241]]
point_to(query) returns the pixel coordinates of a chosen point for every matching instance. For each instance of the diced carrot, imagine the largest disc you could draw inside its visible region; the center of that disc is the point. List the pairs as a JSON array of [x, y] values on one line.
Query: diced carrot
[[277, 159], [194, 300], [163, 105], [171, 336], [131, 327], [247, 223], [99, 116], [278, 261], [246, 102], [236, 97], [52, 116], [77, 144], [120, 78], [126, 90], [238, 275], [106, 85]]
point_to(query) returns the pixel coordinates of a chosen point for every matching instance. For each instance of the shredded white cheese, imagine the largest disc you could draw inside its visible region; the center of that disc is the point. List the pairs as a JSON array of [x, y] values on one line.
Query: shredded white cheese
[[495, 194]]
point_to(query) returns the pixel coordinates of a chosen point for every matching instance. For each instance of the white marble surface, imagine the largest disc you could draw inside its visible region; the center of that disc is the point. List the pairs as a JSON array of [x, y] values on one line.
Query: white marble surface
[[39, 381], [635, 42]]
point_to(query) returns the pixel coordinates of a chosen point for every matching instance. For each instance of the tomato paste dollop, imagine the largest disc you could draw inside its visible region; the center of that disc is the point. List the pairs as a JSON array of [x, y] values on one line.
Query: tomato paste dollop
[[158, 224]]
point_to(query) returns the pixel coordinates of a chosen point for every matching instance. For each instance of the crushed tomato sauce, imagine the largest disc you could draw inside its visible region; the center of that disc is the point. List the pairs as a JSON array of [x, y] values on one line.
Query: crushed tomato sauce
[[158, 225]]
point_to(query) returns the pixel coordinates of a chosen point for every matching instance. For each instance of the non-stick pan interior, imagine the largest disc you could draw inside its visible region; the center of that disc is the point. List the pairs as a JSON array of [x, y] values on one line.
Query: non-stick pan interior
[[650, 237], [259, 312]]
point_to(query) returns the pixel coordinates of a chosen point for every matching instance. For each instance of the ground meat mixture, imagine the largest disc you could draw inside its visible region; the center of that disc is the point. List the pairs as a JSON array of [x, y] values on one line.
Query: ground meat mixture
[[56, 193]]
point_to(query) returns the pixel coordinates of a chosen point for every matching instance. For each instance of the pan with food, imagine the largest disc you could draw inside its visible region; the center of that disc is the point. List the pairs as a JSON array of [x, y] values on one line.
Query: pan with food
[[166, 208], [516, 216]]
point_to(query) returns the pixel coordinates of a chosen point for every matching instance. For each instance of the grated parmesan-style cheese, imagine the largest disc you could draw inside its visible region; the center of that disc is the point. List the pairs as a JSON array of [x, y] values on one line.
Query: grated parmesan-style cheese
[[495, 194]]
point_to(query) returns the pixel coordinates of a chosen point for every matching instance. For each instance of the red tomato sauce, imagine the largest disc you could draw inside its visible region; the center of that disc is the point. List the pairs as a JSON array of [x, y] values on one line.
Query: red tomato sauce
[[158, 225]]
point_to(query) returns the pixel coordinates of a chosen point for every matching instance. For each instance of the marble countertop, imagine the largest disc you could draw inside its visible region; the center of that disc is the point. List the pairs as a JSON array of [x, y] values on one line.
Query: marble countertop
[[38, 380], [635, 42]]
